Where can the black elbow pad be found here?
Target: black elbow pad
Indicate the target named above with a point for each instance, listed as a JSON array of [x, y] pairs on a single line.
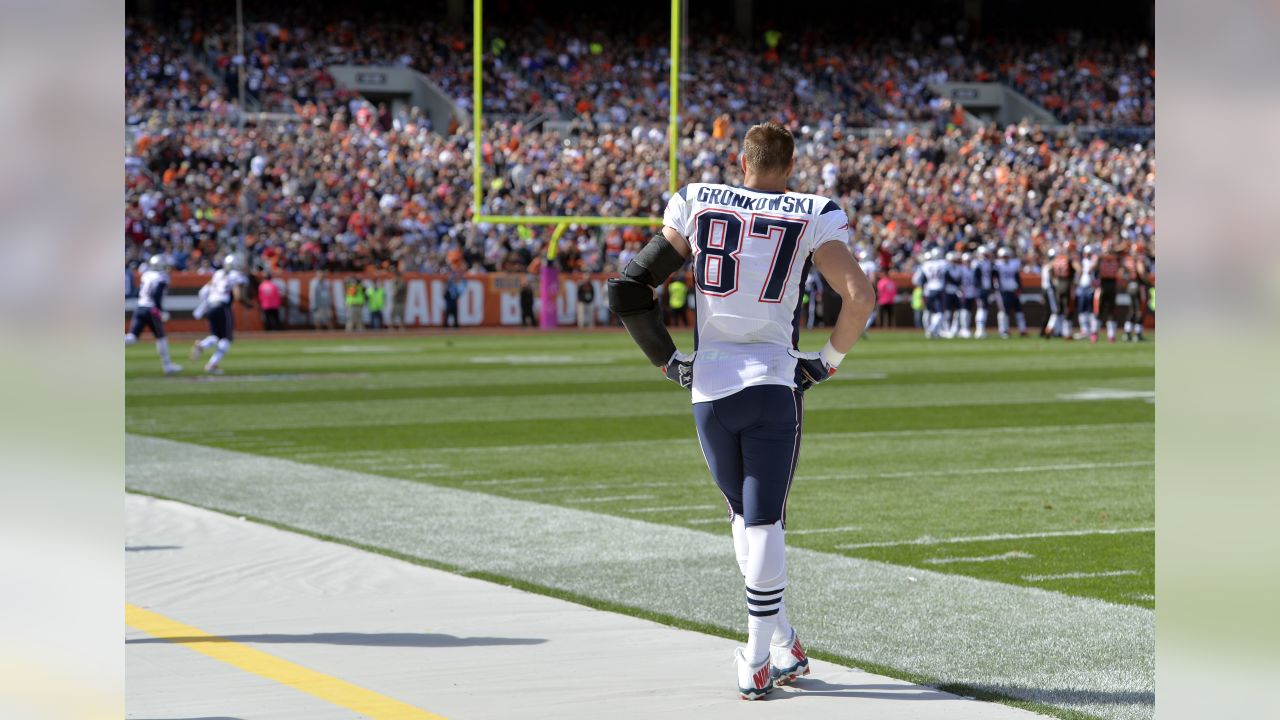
[[654, 263], [633, 303]]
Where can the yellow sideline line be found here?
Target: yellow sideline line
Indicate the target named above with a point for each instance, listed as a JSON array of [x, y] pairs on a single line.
[[326, 687]]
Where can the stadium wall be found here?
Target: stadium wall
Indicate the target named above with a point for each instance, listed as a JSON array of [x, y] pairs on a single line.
[[489, 300]]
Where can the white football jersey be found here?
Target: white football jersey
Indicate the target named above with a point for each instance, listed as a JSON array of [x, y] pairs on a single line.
[[1085, 278], [968, 283], [222, 283], [934, 275], [151, 292], [751, 251], [1007, 274]]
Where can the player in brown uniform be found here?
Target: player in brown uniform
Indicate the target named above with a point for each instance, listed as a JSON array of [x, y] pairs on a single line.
[[1104, 297], [1062, 275], [1136, 270]]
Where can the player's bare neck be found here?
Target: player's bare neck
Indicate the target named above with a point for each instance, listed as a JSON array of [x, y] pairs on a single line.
[[765, 183]]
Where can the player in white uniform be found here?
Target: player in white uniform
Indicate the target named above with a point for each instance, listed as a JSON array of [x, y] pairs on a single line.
[[1008, 271], [984, 276], [751, 247], [1084, 291], [1050, 300], [223, 289], [968, 295], [150, 312], [931, 274]]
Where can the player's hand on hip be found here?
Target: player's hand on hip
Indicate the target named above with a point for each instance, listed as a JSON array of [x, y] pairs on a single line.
[[811, 369], [679, 370]]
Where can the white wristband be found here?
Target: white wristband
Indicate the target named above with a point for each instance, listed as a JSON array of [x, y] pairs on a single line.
[[830, 356]]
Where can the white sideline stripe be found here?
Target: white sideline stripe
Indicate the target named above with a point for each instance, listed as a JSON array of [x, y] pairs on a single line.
[[984, 471], [512, 481], [823, 531], [674, 508], [1011, 555], [1080, 575], [607, 499], [927, 540], [948, 627]]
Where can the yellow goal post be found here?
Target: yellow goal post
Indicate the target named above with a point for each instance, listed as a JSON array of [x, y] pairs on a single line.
[[477, 109]]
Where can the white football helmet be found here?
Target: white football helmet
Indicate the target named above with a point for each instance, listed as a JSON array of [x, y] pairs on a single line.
[[952, 256], [231, 262], [1053, 253], [966, 257], [157, 263], [1004, 252]]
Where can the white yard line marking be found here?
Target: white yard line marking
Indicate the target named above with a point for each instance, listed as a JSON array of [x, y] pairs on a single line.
[[948, 627], [1011, 555], [666, 442], [512, 481], [927, 540], [591, 486], [1109, 394], [607, 499], [674, 508], [1143, 596], [1080, 575], [824, 531], [709, 521], [984, 471]]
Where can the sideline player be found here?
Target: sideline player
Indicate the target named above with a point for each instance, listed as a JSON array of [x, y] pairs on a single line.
[[150, 311], [1062, 273], [968, 293], [751, 248], [1104, 301], [1084, 292], [1136, 271], [984, 276], [931, 276], [1008, 272], [224, 289]]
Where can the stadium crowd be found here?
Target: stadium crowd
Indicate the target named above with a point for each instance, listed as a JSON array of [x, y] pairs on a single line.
[[343, 184]]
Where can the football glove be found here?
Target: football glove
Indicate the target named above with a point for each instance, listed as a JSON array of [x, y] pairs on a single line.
[[811, 369], [679, 370]]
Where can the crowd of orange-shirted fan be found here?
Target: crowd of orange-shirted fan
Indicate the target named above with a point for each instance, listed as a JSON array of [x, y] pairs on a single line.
[[342, 184]]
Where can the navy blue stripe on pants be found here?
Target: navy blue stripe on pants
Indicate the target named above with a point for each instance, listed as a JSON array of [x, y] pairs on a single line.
[[751, 441]]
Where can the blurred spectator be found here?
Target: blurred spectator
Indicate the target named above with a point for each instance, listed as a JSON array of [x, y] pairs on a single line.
[[269, 301], [526, 304], [399, 296], [586, 302], [355, 297], [886, 296], [321, 303], [377, 297]]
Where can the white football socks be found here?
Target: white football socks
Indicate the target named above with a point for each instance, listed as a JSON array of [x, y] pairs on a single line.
[[766, 579], [162, 349]]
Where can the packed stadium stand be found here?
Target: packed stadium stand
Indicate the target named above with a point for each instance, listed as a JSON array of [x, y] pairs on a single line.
[[312, 175]]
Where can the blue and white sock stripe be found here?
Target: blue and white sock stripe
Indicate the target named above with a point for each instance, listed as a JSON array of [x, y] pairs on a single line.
[[763, 603]]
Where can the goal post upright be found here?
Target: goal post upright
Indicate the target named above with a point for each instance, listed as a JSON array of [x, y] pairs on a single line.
[[477, 109]]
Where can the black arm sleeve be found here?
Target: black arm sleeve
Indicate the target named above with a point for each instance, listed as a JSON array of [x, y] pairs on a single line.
[[631, 298]]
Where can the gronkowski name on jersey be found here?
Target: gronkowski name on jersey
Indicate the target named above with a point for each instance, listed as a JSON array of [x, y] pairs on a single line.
[[221, 284], [1007, 273], [151, 294], [751, 253]]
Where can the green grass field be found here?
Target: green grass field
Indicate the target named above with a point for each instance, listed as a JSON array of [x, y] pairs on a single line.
[[1023, 461]]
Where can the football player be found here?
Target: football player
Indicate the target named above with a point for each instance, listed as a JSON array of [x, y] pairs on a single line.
[[223, 290], [931, 275], [984, 276], [968, 293], [1061, 270], [1085, 274], [1008, 272], [1104, 302], [951, 294], [1136, 272], [150, 312], [751, 248]]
